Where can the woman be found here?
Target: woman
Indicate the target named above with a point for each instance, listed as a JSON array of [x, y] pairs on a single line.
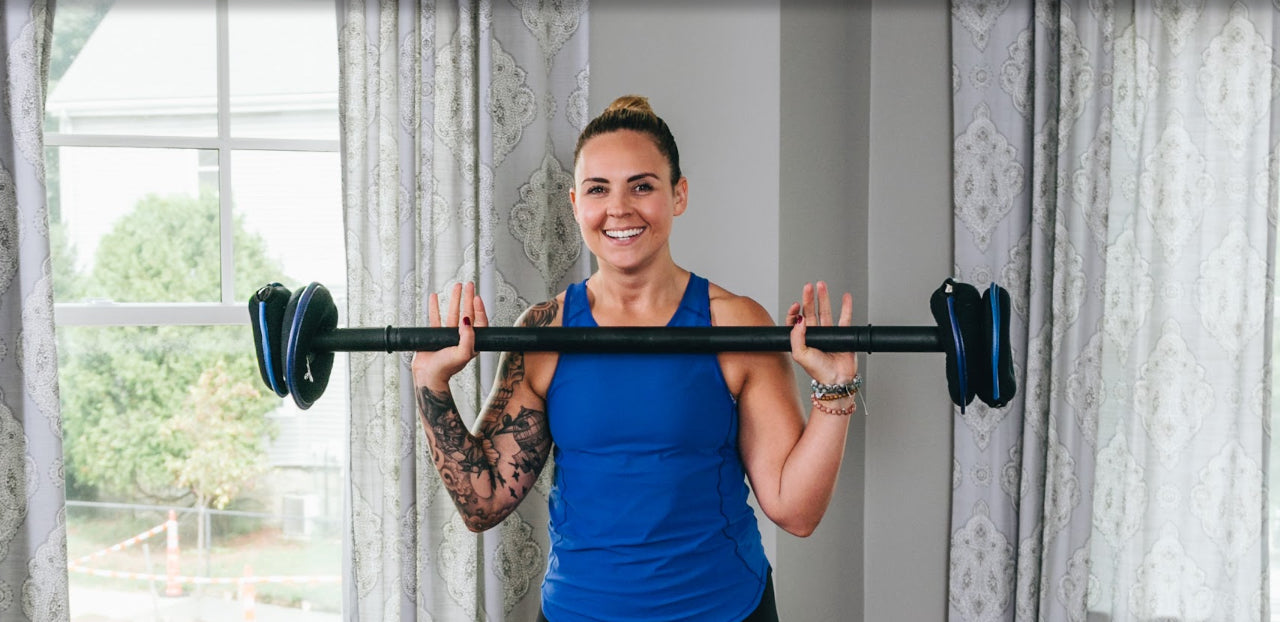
[[649, 514]]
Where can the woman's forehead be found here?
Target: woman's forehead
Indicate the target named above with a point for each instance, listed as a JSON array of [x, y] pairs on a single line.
[[623, 152]]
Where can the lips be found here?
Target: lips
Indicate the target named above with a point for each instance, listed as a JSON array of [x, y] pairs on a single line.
[[624, 234]]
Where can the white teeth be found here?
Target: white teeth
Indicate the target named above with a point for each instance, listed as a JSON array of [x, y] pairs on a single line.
[[624, 233]]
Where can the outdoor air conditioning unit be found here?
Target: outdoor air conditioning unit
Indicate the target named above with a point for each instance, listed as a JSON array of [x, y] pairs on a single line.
[[298, 515]]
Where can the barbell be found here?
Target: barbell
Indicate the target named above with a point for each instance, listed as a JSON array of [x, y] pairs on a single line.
[[295, 336]]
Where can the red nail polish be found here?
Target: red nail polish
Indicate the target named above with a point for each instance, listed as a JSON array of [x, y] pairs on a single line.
[[466, 320]]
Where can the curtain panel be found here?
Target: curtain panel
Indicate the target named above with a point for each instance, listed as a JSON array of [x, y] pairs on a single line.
[[33, 544], [459, 121], [1115, 168]]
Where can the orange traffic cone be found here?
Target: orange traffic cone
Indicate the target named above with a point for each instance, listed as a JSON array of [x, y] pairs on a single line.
[[247, 594]]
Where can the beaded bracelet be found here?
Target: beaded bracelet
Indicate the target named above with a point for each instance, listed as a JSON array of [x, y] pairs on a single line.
[[828, 392], [848, 410]]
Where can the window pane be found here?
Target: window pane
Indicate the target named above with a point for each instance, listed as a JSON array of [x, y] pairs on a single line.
[[284, 69], [176, 418], [134, 225], [143, 68], [290, 206]]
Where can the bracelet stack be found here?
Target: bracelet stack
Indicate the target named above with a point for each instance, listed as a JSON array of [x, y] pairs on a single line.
[[830, 392]]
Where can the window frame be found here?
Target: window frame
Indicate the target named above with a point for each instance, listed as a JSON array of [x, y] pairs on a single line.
[[229, 311]]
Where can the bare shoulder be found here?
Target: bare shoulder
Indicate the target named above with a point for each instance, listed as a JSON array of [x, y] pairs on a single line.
[[547, 313], [730, 309], [539, 367]]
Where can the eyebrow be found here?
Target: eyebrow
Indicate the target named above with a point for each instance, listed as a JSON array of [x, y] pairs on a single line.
[[636, 177]]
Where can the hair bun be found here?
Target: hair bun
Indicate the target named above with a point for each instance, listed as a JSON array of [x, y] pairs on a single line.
[[637, 103]]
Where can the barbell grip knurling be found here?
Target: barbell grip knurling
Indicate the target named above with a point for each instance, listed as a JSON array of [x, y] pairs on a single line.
[[634, 339]]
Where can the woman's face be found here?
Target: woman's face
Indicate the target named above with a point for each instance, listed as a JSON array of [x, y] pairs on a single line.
[[624, 199]]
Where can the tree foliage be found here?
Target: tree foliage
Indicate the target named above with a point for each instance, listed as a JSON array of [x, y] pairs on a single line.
[[219, 437], [145, 407]]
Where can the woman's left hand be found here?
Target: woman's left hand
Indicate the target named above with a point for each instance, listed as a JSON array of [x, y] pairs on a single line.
[[815, 310]]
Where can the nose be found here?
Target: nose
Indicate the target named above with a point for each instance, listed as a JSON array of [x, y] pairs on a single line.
[[617, 206]]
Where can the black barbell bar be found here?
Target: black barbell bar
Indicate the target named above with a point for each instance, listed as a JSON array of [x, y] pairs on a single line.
[[296, 336], [643, 340]]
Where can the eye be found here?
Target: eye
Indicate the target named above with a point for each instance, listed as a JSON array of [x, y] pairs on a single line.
[[644, 186], [595, 190]]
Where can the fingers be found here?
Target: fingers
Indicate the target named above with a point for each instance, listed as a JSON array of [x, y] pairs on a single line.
[[798, 331], [816, 306], [481, 317], [465, 310], [468, 303], [814, 309], [464, 306], [433, 310], [824, 304], [455, 299], [793, 314], [466, 329], [846, 309], [806, 302]]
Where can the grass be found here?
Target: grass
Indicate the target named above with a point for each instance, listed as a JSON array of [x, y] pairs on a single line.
[[263, 549]]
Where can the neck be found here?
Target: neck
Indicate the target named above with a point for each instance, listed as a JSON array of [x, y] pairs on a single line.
[[637, 298]]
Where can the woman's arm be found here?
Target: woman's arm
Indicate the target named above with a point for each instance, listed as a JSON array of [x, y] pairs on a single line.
[[793, 465], [488, 471]]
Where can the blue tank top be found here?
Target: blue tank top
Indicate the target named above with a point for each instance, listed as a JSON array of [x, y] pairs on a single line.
[[649, 514]]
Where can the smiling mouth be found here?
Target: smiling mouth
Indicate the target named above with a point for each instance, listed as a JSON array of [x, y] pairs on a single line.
[[624, 234]]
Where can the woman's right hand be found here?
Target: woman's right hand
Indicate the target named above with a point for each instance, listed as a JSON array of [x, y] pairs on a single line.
[[433, 369]]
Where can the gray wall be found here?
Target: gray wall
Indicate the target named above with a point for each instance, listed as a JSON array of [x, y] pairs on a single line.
[[712, 75], [816, 138], [825, 153], [908, 466]]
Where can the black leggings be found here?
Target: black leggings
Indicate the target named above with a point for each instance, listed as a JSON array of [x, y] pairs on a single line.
[[766, 611]]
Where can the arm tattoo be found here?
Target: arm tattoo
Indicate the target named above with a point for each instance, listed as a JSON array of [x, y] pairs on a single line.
[[511, 368], [509, 449], [542, 314], [453, 454], [529, 431]]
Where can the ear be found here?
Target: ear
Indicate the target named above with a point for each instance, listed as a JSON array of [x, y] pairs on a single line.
[[682, 195], [573, 200]]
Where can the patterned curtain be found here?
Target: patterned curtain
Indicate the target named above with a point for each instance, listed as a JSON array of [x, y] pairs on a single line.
[[33, 537], [459, 124], [1115, 168]]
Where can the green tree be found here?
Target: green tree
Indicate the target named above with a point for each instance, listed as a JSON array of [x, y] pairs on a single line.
[[216, 440], [131, 393], [219, 437]]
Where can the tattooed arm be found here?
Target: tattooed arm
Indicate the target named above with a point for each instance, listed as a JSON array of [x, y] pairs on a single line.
[[488, 471]]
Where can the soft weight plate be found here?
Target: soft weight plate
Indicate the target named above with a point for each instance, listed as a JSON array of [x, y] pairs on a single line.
[[310, 312]]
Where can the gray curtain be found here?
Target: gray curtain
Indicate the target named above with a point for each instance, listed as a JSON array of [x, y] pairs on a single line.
[[1115, 169], [459, 121], [33, 543]]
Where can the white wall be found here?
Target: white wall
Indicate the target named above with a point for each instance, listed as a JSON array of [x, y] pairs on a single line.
[[816, 138]]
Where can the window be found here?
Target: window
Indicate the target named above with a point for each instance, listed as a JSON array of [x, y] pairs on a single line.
[[191, 157]]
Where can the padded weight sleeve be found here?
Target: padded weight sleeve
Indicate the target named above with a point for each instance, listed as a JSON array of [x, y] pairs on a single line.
[[310, 311], [998, 358], [266, 314], [955, 308]]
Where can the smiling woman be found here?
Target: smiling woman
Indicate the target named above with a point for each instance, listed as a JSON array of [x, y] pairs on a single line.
[[653, 452], [626, 202]]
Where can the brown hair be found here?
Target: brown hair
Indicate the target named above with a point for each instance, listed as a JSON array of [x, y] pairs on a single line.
[[633, 112]]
